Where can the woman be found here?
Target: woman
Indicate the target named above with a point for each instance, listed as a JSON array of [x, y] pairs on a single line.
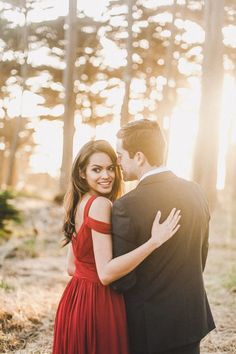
[[91, 316]]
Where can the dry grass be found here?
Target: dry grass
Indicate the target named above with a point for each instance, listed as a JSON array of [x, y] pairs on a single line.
[[220, 279], [33, 278], [16, 331]]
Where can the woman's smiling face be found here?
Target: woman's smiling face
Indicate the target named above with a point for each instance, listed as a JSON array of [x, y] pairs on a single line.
[[100, 173]]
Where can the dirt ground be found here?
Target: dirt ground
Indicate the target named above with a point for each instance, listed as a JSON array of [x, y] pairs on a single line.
[[33, 277]]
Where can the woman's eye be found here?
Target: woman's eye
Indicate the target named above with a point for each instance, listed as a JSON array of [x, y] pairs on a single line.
[[112, 168], [97, 170]]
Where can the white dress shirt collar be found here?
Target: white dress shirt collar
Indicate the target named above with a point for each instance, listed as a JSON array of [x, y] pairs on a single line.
[[154, 171]]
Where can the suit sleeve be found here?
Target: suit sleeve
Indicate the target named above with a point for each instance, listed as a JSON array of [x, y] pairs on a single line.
[[123, 242]]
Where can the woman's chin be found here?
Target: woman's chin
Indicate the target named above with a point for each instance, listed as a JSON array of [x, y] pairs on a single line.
[[105, 191]]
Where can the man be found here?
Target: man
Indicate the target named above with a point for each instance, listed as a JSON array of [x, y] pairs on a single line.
[[167, 308]]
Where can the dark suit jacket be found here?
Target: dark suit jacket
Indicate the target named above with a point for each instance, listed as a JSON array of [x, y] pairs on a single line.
[[165, 298]]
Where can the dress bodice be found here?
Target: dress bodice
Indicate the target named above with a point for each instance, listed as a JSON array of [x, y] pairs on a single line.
[[83, 244]]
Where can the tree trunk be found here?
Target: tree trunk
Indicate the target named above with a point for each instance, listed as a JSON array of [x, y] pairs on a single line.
[[2, 167], [206, 151], [15, 139], [69, 129], [168, 75], [125, 117]]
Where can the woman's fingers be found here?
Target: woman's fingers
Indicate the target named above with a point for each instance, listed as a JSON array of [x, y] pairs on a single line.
[[161, 232], [175, 230], [158, 216], [170, 224], [170, 216], [175, 220]]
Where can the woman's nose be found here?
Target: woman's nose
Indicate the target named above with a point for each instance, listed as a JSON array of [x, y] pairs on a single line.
[[105, 174]]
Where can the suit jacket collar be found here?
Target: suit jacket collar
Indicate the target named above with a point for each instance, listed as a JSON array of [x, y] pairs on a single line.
[[156, 178]]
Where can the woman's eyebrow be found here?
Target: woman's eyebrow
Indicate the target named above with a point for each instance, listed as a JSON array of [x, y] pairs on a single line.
[[95, 165]]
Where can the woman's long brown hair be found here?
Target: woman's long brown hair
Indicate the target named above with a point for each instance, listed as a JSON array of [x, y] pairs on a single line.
[[78, 185]]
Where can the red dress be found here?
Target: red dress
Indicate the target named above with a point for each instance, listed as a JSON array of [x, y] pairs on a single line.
[[91, 317]]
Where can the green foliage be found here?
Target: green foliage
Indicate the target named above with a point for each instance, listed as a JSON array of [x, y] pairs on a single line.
[[7, 210], [28, 248], [4, 285]]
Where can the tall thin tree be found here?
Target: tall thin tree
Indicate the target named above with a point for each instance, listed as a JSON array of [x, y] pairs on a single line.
[[206, 151], [23, 76], [168, 73], [68, 131], [128, 69]]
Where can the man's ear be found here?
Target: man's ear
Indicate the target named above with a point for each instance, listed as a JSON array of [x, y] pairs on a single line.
[[140, 158]]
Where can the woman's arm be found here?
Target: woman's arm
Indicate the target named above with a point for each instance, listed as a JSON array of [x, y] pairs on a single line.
[[110, 269], [70, 260]]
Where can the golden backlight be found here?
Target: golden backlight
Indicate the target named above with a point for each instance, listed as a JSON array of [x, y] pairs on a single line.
[[47, 155], [183, 131]]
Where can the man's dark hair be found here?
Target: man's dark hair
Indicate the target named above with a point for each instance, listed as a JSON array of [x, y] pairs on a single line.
[[144, 135]]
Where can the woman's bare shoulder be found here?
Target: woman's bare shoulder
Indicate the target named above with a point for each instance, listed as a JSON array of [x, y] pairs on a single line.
[[101, 209]]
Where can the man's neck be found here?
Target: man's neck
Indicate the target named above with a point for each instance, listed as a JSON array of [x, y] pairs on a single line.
[[152, 170], [146, 170]]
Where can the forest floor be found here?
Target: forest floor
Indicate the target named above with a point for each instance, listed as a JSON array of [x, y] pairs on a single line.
[[32, 266]]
